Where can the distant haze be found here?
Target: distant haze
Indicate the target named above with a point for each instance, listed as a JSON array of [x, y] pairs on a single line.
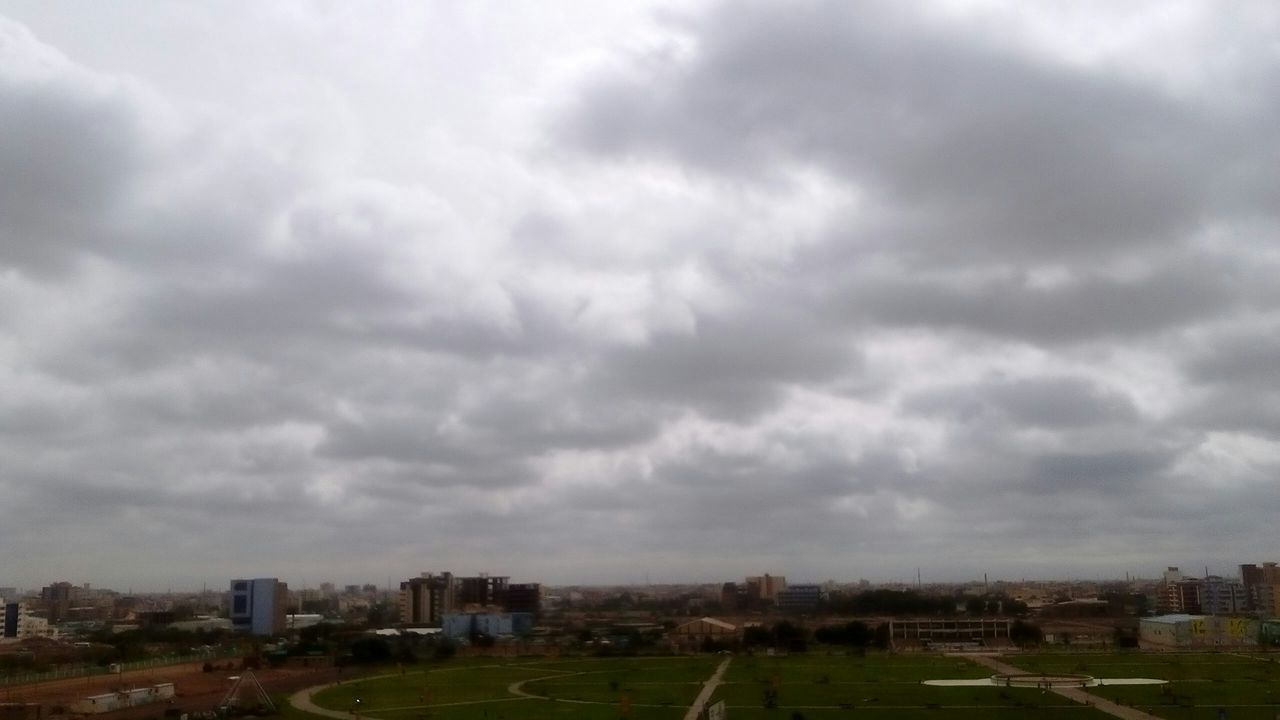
[[585, 292]]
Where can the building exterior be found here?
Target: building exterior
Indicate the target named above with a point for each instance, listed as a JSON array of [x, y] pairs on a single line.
[[950, 633], [20, 624], [696, 633], [766, 587], [109, 702], [426, 599], [482, 590], [1262, 588], [1182, 630], [800, 597], [258, 606], [465, 625], [1220, 596], [523, 598]]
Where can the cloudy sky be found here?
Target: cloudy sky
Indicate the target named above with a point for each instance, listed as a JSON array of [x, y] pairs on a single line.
[[589, 292]]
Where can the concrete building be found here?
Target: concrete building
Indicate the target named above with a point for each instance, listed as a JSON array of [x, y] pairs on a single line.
[[482, 590], [523, 598], [799, 597], [426, 599], [1221, 596], [258, 606], [950, 633], [766, 587], [1182, 630], [1262, 588], [21, 624], [465, 625]]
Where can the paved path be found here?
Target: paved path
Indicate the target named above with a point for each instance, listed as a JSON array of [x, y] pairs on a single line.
[[1076, 694], [708, 688], [302, 701]]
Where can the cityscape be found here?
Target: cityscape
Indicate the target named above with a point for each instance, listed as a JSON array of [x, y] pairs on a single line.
[[639, 360]]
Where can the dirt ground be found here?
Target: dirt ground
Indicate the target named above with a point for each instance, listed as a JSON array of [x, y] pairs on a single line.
[[194, 689]]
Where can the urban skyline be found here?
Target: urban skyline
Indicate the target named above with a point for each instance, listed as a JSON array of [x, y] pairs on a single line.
[[594, 292]]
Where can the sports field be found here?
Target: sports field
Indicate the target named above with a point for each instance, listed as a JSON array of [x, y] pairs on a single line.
[[812, 685]]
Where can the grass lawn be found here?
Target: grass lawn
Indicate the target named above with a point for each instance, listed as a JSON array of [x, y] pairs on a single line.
[[816, 686], [1201, 684]]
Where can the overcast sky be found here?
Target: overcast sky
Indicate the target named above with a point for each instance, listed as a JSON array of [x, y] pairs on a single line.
[[593, 292]]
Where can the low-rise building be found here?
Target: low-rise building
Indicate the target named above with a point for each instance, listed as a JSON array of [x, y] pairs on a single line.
[[1176, 631], [466, 625], [696, 633]]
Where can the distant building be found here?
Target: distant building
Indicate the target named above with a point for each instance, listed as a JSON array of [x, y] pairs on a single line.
[[1182, 630], [950, 633], [523, 598], [482, 590], [1262, 588], [766, 587], [466, 625], [426, 599], [21, 624], [1220, 596], [800, 597], [696, 633], [258, 606]]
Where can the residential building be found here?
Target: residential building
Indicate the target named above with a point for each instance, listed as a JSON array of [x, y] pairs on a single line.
[[766, 587], [258, 606], [1262, 588], [426, 599], [1220, 596]]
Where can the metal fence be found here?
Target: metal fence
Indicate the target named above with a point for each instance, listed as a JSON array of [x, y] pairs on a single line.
[[78, 671]]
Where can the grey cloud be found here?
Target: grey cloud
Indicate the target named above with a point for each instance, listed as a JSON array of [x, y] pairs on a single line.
[[68, 155], [1048, 402], [976, 150]]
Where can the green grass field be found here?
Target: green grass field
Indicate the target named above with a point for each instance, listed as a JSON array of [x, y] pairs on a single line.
[[815, 685], [1246, 686]]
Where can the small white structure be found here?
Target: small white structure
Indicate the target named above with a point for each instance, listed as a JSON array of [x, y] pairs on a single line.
[[107, 702]]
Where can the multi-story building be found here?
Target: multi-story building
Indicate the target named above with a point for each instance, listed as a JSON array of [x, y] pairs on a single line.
[[766, 587], [1220, 596], [1262, 588], [800, 597], [523, 598], [426, 599], [482, 590], [20, 624], [258, 606]]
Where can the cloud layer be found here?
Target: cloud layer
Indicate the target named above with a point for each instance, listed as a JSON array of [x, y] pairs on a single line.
[[828, 290]]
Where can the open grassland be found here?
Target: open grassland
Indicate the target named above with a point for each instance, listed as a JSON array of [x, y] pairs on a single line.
[[1246, 685]]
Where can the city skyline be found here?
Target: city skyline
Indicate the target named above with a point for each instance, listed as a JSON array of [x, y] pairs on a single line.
[[595, 292]]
